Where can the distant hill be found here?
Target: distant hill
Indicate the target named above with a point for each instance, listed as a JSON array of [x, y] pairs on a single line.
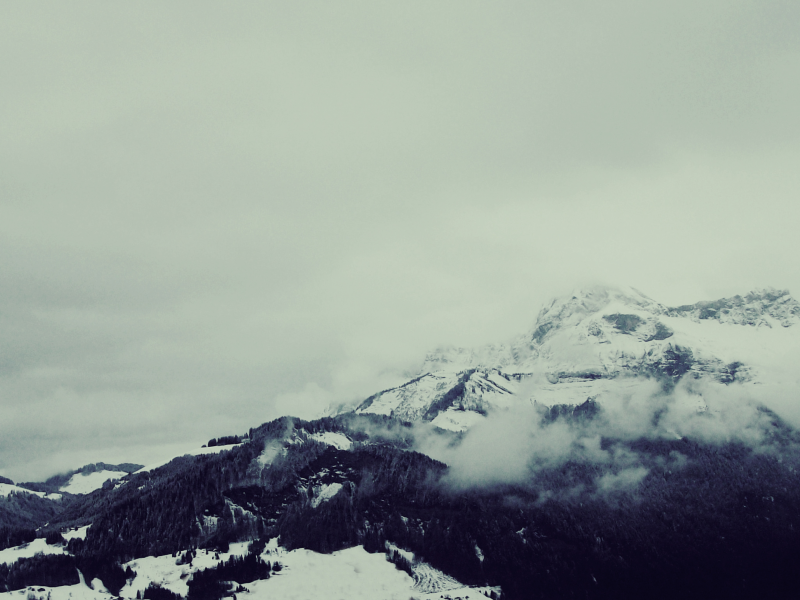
[[84, 480]]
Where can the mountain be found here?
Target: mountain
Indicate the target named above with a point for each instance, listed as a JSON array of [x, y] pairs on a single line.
[[23, 508], [612, 451], [84, 480], [589, 345]]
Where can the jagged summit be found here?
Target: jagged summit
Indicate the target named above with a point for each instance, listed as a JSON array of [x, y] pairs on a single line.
[[559, 313], [84, 480], [758, 308], [592, 299], [586, 344], [628, 311]]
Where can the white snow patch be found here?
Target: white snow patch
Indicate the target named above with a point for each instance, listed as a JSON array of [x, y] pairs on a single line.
[[7, 488], [572, 339], [79, 533], [86, 483], [337, 440], [411, 400], [163, 570], [37, 546], [325, 493], [354, 574]]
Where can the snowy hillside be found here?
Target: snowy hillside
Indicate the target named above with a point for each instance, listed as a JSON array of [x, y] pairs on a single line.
[[7, 488], [37, 546], [302, 575], [590, 343], [534, 503], [86, 483]]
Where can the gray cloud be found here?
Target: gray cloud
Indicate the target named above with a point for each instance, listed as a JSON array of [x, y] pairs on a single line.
[[625, 479], [209, 216], [514, 446]]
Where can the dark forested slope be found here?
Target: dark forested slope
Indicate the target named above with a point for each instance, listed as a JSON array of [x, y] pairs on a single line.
[[677, 517]]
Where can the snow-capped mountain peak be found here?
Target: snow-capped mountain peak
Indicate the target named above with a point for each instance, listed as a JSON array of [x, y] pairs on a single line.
[[560, 313], [765, 307], [587, 344], [596, 299]]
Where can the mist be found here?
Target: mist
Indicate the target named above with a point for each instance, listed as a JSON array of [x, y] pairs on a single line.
[[513, 447]]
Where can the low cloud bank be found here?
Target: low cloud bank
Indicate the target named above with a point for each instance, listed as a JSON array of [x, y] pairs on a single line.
[[519, 445]]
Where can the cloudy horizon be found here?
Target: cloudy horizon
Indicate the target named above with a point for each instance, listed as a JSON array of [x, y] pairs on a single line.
[[213, 215]]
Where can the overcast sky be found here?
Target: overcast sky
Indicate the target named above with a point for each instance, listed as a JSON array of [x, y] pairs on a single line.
[[212, 214]]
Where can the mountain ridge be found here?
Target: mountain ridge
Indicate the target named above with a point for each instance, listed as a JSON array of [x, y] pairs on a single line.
[[577, 345], [624, 460]]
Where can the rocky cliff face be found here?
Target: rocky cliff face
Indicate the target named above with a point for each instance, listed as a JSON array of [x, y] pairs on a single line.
[[760, 308], [586, 345]]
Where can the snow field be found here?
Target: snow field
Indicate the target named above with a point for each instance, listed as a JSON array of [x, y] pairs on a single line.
[[37, 546], [164, 571], [337, 440], [413, 398], [6, 489], [86, 483], [351, 574], [79, 533]]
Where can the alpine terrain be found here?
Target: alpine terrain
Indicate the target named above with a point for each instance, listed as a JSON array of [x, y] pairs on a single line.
[[619, 448]]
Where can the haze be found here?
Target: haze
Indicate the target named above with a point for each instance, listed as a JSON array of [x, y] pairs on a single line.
[[215, 214]]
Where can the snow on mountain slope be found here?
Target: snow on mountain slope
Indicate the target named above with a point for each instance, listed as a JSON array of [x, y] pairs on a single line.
[[164, 571], [413, 399], [7, 488], [758, 308], [337, 440], [86, 483], [456, 399], [353, 573], [592, 343], [77, 533], [37, 546], [79, 591], [350, 573], [607, 329]]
